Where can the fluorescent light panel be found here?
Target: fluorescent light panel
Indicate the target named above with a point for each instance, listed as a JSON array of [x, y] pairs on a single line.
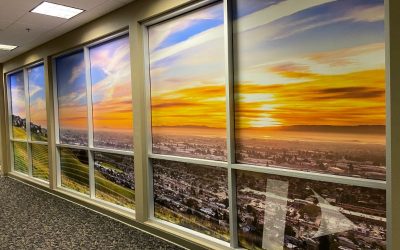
[[57, 10], [7, 47]]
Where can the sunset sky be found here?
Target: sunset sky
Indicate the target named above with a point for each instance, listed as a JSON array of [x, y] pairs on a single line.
[[16, 82], [111, 88], [71, 89], [299, 62], [310, 63], [187, 70], [37, 93]]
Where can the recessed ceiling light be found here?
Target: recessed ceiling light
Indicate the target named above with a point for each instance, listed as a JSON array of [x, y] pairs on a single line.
[[7, 47], [57, 10]]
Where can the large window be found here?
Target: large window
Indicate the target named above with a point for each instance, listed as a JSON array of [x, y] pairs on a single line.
[[279, 112], [310, 86], [188, 85], [95, 121], [28, 120], [187, 89]]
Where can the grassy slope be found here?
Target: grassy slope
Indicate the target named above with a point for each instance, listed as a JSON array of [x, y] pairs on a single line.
[[20, 157], [114, 193], [40, 164], [19, 133], [74, 174]]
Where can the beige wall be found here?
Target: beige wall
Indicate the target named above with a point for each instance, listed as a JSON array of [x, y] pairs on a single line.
[[393, 112]]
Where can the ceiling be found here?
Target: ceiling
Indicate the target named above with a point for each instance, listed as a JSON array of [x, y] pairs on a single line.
[[27, 30]]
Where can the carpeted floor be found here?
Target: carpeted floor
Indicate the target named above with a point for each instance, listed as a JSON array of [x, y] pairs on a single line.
[[32, 219]]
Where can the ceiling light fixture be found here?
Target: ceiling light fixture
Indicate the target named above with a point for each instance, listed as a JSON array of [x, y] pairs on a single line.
[[7, 47], [57, 10]]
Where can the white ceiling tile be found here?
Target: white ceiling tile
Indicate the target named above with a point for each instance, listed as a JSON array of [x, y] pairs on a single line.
[[41, 20], [80, 4], [4, 24]]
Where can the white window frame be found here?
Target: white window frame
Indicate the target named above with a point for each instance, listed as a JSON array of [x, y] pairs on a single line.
[[90, 149], [231, 165], [28, 141]]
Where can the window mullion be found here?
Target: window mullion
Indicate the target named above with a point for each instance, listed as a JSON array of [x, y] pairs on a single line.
[[90, 121]]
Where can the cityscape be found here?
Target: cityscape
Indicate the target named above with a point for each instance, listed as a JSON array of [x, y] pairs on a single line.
[[115, 179], [193, 196], [305, 217], [210, 148], [113, 139], [344, 155]]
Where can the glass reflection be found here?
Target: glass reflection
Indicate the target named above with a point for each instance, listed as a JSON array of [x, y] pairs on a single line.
[[40, 162], [114, 177], [74, 169], [277, 212], [192, 196]]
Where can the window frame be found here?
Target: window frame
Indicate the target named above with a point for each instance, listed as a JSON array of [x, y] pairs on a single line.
[[231, 165], [28, 141], [89, 148]]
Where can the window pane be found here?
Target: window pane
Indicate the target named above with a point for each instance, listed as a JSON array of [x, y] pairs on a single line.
[[17, 91], [74, 169], [188, 86], [192, 196], [20, 157], [115, 178], [72, 103], [37, 95], [40, 162], [303, 214], [112, 96], [310, 86]]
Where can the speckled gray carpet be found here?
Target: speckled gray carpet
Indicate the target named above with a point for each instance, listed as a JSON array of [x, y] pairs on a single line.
[[32, 219]]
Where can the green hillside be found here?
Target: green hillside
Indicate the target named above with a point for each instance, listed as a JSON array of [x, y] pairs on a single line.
[[19, 133], [74, 172], [114, 193], [20, 157], [40, 162]]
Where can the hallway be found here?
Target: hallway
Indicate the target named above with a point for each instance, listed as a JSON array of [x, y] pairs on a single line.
[[32, 219]]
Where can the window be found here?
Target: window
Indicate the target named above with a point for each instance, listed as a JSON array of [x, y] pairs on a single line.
[[299, 88], [310, 86], [191, 195], [28, 106], [276, 211], [95, 121], [188, 121], [187, 85]]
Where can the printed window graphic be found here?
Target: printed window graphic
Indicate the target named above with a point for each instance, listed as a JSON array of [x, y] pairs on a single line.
[[310, 85], [187, 74]]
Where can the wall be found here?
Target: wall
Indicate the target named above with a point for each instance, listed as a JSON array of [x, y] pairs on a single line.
[[393, 107], [130, 17]]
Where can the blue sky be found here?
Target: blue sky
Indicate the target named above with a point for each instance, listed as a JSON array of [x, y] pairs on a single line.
[[71, 82], [17, 93], [37, 94]]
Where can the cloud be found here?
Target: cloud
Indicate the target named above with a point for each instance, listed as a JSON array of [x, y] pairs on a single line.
[[76, 72]]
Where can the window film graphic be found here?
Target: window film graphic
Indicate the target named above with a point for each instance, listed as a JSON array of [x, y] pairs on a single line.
[[40, 162], [72, 101], [18, 112], [74, 169], [37, 103], [192, 196], [20, 157], [186, 57], [310, 85], [112, 95], [114, 177], [276, 212]]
